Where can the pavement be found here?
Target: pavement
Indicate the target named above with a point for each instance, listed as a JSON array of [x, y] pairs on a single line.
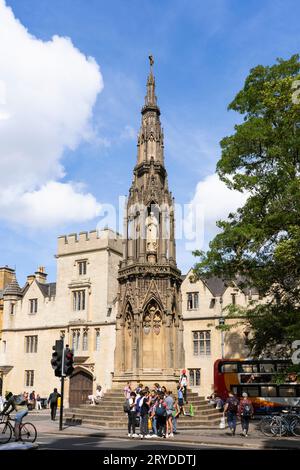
[[193, 437]]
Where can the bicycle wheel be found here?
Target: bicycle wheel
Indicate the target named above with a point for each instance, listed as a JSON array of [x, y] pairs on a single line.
[[5, 433], [265, 426], [279, 427], [28, 432], [295, 426]]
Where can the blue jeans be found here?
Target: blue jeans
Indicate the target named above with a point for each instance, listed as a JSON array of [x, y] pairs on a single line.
[[154, 427], [231, 418], [174, 421], [20, 415]]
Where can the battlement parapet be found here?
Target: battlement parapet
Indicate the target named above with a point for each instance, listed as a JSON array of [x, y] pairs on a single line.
[[89, 241]]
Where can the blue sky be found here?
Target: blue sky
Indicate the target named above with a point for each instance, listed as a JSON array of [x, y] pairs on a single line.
[[203, 51]]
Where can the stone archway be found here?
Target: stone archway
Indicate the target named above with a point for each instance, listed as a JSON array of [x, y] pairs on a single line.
[[81, 386], [153, 350]]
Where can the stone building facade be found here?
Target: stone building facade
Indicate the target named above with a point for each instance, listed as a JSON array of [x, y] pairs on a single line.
[[204, 309], [80, 306]]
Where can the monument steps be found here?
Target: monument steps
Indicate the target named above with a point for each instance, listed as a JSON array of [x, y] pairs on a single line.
[[109, 412]]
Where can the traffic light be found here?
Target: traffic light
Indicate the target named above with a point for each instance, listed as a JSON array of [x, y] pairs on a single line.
[[69, 361], [56, 361]]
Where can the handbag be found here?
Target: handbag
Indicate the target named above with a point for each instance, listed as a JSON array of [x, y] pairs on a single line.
[[222, 424]]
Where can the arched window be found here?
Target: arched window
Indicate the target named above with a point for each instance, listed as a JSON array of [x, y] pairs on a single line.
[[85, 341]]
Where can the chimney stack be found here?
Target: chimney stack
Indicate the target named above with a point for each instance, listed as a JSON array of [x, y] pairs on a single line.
[[40, 275]]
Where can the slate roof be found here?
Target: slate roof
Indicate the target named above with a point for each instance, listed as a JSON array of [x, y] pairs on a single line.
[[48, 290], [13, 288], [218, 286]]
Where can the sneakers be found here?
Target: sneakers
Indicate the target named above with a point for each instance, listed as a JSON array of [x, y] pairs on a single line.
[[171, 435], [129, 435], [134, 435], [147, 436]]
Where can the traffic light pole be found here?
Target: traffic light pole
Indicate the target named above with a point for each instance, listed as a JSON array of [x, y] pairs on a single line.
[[61, 413]]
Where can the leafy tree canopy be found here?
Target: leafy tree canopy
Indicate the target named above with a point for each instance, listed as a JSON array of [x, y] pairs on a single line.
[[259, 244]]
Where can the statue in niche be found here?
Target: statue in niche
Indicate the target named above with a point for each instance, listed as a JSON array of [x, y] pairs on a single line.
[[151, 232]]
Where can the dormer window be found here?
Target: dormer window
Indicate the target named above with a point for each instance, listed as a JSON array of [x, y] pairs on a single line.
[[82, 265], [33, 305]]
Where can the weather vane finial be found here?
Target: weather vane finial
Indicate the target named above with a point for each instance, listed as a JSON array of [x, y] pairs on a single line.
[[151, 60]]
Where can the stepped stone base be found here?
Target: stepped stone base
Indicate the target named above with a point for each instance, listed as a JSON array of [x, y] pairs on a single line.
[[109, 413], [168, 377]]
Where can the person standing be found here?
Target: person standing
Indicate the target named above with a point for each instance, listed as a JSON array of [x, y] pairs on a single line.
[[144, 407], [38, 405], [132, 415], [170, 408], [245, 412], [127, 391], [52, 400], [180, 399], [231, 409], [161, 415], [183, 382]]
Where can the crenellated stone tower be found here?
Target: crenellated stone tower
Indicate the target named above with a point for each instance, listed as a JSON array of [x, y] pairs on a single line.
[[149, 325]]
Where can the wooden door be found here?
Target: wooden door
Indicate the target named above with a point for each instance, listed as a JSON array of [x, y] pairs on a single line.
[[81, 386]]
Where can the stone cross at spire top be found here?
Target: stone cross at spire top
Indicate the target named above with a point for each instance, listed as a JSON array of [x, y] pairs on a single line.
[[150, 99]]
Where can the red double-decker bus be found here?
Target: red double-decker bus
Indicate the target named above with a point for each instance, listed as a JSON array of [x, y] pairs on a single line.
[[259, 379]]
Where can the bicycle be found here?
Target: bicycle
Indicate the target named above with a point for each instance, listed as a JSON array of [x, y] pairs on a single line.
[[286, 423], [27, 431]]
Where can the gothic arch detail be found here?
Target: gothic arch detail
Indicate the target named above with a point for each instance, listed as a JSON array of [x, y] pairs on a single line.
[[152, 318]]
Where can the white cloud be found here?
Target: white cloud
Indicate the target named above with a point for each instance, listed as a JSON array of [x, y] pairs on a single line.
[[128, 133], [48, 90], [212, 201]]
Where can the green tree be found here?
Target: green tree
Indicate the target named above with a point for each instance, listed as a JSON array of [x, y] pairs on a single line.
[[259, 244]]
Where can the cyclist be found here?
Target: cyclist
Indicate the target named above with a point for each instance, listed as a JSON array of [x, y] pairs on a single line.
[[18, 404]]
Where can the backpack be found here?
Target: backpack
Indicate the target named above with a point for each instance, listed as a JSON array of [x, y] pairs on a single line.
[[160, 410], [233, 405], [19, 400], [126, 406], [247, 411]]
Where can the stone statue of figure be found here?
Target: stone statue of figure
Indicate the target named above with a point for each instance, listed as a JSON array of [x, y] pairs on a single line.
[[152, 232]]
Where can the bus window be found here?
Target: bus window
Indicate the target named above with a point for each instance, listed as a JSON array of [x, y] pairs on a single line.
[[268, 391], [285, 391], [230, 367], [281, 367], [252, 391], [249, 368], [267, 367]]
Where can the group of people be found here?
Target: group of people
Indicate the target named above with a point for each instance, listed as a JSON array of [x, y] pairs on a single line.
[[243, 409], [154, 411], [32, 400]]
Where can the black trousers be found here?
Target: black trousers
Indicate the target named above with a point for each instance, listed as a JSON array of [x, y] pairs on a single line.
[[53, 410], [161, 425], [131, 422]]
